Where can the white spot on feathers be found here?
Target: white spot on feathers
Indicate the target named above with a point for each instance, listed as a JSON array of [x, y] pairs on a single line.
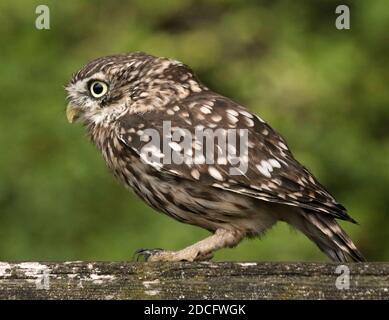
[[195, 174], [274, 163], [264, 168], [194, 86], [232, 118], [249, 122], [216, 118], [205, 109], [282, 145], [232, 112], [215, 173], [246, 114], [145, 138]]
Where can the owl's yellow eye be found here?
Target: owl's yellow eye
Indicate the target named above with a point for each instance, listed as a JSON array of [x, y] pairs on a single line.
[[98, 89]]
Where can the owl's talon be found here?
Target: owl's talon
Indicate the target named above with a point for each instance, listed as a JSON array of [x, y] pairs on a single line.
[[204, 257], [145, 253], [178, 256]]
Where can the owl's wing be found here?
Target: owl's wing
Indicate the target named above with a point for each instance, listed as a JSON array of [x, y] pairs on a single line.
[[267, 171]]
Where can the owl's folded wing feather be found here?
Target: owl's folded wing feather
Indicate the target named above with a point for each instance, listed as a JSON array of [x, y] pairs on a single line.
[[268, 171]]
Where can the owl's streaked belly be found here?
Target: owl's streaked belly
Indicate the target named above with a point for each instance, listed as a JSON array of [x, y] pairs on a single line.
[[185, 200], [192, 203]]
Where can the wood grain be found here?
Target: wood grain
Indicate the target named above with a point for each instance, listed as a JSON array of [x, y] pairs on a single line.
[[183, 280]]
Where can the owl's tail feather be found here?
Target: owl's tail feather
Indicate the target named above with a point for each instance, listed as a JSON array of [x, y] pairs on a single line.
[[326, 233]]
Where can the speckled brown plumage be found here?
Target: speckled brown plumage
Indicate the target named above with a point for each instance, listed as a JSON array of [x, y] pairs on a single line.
[[145, 92]]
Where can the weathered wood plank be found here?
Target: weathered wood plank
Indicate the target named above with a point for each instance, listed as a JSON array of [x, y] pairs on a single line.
[[224, 280]]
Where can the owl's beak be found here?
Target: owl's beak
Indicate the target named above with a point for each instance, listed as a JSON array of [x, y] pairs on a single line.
[[72, 113]]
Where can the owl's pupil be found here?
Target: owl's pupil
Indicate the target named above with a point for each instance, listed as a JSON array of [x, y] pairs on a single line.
[[97, 88]]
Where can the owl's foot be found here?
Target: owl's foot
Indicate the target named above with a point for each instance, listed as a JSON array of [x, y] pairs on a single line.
[[145, 254], [153, 255], [200, 251]]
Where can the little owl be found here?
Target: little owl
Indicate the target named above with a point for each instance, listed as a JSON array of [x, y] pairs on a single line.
[[122, 99]]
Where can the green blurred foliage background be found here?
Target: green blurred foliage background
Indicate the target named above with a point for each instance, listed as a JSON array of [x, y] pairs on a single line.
[[325, 90]]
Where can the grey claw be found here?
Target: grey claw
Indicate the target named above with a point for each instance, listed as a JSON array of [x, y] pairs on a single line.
[[145, 253], [204, 257]]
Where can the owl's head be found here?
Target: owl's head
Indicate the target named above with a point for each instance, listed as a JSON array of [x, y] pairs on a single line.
[[109, 87]]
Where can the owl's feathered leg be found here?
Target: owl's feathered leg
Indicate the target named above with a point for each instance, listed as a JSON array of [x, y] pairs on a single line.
[[200, 251]]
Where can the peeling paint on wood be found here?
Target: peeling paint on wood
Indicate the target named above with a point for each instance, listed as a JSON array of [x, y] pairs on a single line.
[[205, 280]]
